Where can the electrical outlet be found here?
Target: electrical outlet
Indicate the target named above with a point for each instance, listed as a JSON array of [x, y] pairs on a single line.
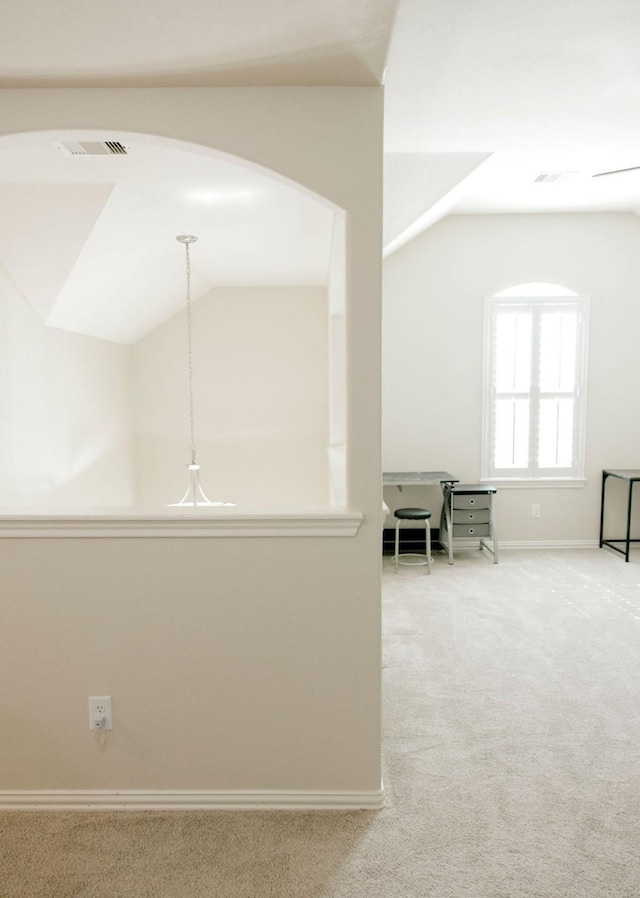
[[535, 511], [100, 712]]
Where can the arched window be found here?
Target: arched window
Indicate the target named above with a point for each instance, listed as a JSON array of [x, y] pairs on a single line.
[[535, 384]]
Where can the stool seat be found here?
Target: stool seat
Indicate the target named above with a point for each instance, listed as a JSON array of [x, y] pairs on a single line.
[[413, 514]]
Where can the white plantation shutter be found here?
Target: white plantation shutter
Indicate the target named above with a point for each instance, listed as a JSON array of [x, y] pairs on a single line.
[[534, 400], [511, 369]]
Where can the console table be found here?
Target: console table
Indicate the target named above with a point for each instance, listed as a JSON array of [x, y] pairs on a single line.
[[629, 476]]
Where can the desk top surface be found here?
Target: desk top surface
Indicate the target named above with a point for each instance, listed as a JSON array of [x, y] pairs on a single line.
[[405, 478], [471, 489], [624, 474]]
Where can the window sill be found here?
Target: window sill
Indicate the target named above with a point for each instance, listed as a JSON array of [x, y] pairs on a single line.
[[227, 523], [575, 483]]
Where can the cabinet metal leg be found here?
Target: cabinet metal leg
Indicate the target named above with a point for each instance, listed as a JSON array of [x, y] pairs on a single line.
[[629, 503]]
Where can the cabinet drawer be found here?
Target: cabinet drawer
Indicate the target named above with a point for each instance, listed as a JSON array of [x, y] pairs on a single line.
[[471, 530], [471, 515], [477, 501]]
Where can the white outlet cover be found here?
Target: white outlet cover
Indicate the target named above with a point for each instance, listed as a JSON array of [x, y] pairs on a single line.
[[100, 717]]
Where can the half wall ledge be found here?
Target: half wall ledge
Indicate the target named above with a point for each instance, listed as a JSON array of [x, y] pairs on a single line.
[[99, 526]]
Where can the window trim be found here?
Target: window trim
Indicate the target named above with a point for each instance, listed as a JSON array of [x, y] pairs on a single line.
[[545, 480]]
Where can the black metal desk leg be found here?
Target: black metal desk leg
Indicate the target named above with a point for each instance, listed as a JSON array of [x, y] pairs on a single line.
[[629, 503], [604, 480]]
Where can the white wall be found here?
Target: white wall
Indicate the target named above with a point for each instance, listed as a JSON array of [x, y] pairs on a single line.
[[89, 439], [66, 437], [22, 431], [232, 663], [337, 363], [261, 396], [434, 290]]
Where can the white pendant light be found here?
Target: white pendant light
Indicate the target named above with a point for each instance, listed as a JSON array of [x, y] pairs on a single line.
[[195, 495]]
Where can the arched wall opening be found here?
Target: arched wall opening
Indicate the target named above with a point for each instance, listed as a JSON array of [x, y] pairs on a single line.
[[94, 372]]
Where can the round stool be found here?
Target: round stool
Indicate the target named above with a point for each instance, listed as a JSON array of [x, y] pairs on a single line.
[[413, 514]]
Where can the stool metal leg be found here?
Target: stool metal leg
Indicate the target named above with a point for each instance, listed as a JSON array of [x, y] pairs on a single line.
[[427, 545], [427, 561], [395, 557]]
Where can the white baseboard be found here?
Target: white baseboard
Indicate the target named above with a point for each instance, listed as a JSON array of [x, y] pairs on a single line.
[[179, 800], [466, 543], [549, 544]]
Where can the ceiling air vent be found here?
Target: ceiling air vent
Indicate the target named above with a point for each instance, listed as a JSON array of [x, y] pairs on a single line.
[[552, 177], [93, 148]]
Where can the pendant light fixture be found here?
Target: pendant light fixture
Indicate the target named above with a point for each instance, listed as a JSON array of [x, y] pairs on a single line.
[[195, 495]]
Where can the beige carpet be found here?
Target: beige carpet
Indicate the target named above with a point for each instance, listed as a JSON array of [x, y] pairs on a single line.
[[512, 756]]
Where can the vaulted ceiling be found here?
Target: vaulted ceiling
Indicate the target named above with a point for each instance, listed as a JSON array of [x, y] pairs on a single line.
[[482, 97], [90, 240], [203, 43], [503, 91]]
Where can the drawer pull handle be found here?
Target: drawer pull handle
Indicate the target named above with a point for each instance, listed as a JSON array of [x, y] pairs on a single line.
[[471, 517], [470, 529], [472, 501]]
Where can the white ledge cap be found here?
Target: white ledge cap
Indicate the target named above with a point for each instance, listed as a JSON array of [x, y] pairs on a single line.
[[197, 523]]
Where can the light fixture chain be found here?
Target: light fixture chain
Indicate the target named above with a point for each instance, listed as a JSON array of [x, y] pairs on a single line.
[[194, 495], [192, 428]]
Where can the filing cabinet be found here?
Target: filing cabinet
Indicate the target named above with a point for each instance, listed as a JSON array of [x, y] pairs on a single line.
[[467, 512]]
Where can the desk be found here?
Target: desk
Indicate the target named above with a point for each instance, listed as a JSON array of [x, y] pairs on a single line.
[[418, 478], [630, 476]]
